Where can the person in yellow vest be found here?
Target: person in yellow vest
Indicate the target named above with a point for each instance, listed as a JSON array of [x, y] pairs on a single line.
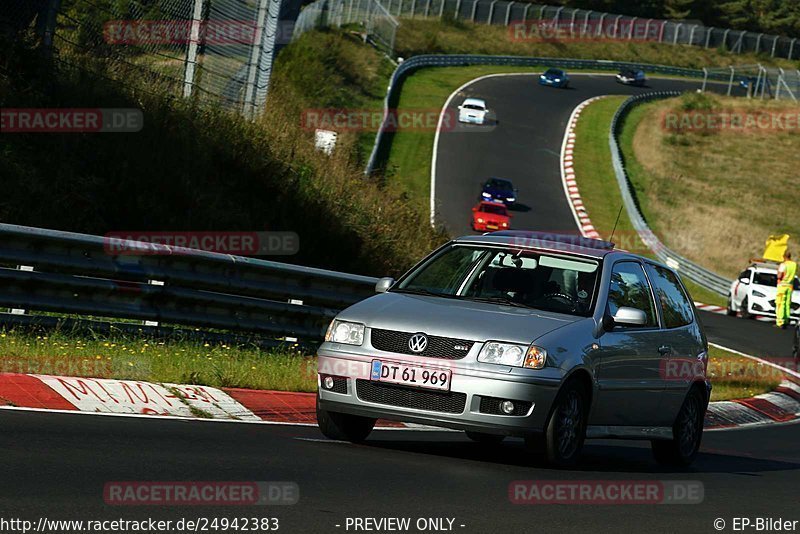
[[783, 300]]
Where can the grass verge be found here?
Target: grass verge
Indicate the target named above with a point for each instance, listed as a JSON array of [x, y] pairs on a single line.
[[600, 192], [737, 377], [715, 194], [136, 358]]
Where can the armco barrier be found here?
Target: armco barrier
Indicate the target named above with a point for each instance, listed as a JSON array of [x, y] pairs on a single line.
[[460, 60], [74, 274], [694, 272]]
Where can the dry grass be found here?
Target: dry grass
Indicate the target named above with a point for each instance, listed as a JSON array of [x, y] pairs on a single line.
[[737, 377], [714, 196]]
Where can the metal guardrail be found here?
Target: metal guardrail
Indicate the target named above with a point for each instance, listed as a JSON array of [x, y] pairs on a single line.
[[75, 274], [694, 272], [458, 60]]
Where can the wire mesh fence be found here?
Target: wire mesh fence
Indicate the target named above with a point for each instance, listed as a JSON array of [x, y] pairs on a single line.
[[369, 15], [214, 50], [557, 22], [758, 81]]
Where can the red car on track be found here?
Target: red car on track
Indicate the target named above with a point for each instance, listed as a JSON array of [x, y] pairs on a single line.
[[490, 216]]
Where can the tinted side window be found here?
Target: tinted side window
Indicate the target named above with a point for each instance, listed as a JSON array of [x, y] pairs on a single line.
[[629, 288], [675, 306]]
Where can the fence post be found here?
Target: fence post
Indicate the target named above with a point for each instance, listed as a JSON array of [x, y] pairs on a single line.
[[441, 9], [558, 14], [427, 8], [705, 79], [691, 34], [572, 23], [585, 28], [730, 82], [474, 9], [528, 6], [774, 44], [630, 30], [677, 28], [791, 47], [708, 36], [508, 12], [255, 56], [458, 9], [661, 31], [49, 29], [191, 52], [616, 26], [758, 42], [491, 12], [413, 8], [600, 27]]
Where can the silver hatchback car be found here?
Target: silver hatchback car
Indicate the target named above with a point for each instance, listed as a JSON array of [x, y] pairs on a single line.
[[551, 338]]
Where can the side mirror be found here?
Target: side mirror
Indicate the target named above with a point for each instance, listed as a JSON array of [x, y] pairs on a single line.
[[384, 284], [625, 316]]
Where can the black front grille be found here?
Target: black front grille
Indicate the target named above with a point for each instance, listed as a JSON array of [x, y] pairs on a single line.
[[393, 395], [491, 405], [339, 384], [446, 348]]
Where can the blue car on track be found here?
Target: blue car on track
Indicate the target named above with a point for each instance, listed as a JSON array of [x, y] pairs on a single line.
[[499, 190], [554, 78]]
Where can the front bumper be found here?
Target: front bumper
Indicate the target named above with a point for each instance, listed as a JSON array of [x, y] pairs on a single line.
[[472, 380]]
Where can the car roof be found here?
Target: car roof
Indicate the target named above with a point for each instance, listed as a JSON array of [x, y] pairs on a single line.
[[764, 266], [499, 180], [476, 101], [554, 69], [575, 244]]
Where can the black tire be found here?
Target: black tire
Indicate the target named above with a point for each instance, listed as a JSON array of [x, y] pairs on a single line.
[[342, 426], [485, 439], [796, 349], [745, 311], [729, 309], [565, 431], [687, 433]]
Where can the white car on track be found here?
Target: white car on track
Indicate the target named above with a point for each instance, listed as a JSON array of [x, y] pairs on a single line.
[[473, 111], [754, 290]]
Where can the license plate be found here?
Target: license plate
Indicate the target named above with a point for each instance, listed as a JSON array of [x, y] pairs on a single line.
[[411, 375], [491, 226]]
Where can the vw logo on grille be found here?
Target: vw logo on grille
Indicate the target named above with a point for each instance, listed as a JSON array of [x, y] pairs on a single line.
[[418, 343]]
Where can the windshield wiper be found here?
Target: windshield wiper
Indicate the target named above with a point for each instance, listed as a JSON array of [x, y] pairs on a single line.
[[420, 291], [499, 300]]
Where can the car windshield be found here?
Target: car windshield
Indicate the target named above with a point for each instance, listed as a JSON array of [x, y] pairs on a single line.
[[473, 106], [766, 279], [501, 184], [540, 280], [498, 210], [553, 72]]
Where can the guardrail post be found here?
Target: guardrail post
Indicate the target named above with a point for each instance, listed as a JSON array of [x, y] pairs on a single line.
[[705, 79], [26, 268], [508, 12], [153, 283]]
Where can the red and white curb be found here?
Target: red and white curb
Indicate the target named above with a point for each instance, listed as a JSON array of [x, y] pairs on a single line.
[[138, 398], [568, 174], [720, 310]]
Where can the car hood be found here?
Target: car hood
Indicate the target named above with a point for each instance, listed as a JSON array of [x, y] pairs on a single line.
[[505, 193], [461, 319], [485, 215]]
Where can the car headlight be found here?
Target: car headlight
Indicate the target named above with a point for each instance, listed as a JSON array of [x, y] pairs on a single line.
[[511, 199], [345, 332], [757, 293], [557, 80], [512, 354], [480, 220], [487, 195]]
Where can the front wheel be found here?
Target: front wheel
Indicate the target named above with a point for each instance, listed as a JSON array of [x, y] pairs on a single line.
[[342, 426], [729, 309], [687, 433], [746, 309], [566, 429]]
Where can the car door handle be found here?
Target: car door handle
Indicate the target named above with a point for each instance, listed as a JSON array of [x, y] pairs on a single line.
[[664, 350]]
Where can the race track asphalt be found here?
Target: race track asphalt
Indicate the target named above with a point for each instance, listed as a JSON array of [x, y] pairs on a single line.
[[522, 143], [56, 466]]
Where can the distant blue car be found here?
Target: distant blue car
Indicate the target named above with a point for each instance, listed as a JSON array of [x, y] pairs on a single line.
[[554, 78], [499, 190]]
